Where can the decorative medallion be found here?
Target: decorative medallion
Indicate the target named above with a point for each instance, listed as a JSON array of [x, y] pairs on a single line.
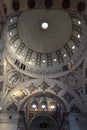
[[75, 109], [12, 107], [19, 95], [68, 97], [32, 88], [74, 80], [44, 86], [13, 78], [56, 88]]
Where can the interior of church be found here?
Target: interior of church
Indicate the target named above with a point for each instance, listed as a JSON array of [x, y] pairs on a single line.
[[43, 65]]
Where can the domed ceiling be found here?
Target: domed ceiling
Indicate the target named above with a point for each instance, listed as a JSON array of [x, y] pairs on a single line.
[[44, 55], [45, 43], [41, 39]]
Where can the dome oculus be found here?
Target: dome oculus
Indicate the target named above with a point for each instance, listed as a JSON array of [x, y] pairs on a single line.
[[44, 25], [43, 42], [34, 29]]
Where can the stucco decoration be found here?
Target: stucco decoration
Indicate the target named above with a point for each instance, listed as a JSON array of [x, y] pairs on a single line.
[[56, 88], [44, 86], [68, 97]]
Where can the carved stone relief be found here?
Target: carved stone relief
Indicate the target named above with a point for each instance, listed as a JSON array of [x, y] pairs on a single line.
[[68, 97], [32, 87], [56, 88], [12, 107], [44, 86]]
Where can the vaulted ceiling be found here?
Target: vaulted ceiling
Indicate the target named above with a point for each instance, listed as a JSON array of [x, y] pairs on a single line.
[[43, 49]]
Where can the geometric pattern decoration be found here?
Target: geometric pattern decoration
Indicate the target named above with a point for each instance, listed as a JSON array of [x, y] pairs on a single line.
[[12, 26], [75, 109], [74, 80], [20, 48], [77, 28], [44, 86], [1, 69], [12, 107], [28, 56], [13, 39], [73, 14], [19, 95], [49, 59], [68, 50], [59, 56], [26, 78], [79, 92], [39, 56], [75, 40], [56, 88], [38, 61], [1, 86], [85, 18], [85, 72], [13, 78], [50, 62], [68, 97], [31, 88]]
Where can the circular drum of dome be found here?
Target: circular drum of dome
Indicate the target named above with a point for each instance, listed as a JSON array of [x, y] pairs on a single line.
[[45, 43]]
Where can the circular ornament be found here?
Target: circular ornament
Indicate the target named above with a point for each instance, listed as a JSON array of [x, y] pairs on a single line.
[[74, 80], [13, 78]]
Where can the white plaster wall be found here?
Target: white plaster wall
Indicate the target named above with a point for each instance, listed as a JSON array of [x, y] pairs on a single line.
[[8, 121], [8, 126], [78, 121]]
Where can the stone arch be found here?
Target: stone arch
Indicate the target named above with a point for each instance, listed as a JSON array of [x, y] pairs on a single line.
[[48, 95], [49, 120]]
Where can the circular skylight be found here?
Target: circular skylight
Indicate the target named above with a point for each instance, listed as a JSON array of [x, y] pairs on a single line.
[[36, 35], [44, 25]]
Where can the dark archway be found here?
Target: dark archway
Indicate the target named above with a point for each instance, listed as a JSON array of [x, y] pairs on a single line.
[[43, 122]]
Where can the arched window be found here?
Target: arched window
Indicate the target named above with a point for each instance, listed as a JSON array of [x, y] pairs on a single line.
[[15, 5], [31, 3], [65, 4]]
